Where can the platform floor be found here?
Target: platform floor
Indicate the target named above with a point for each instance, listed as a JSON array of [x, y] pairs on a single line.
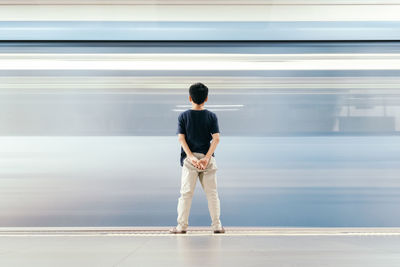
[[124, 246]]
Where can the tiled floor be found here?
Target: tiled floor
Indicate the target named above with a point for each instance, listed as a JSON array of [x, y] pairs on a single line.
[[245, 247]]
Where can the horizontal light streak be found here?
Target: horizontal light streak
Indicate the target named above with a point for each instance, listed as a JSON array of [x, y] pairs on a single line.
[[219, 85], [211, 106], [198, 62], [79, 92], [133, 87], [130, 56], [204, 11], [211, 109]]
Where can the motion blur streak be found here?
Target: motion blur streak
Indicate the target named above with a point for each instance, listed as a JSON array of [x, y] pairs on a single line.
[[309, 132], [200, 62], [200, 10]]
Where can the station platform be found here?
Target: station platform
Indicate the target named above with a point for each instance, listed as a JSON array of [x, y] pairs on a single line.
[[239, 246]]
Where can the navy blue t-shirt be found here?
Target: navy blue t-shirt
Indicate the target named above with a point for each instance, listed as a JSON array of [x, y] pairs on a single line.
[[198, 127]]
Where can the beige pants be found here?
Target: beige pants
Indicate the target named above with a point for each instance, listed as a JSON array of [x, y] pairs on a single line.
[[208, 180]]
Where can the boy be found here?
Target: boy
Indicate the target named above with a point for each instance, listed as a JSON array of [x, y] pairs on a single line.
[[196, 128]]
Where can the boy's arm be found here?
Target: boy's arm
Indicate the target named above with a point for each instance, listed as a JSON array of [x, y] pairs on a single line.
[[189, 154], [204, 161]]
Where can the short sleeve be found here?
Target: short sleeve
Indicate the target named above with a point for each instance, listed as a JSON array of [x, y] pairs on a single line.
[[214, 124], [181, 125]]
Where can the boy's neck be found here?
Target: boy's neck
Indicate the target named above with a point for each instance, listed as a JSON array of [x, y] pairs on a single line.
[[197, 107]]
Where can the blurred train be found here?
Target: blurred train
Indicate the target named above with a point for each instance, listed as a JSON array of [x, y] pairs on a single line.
[[309, 114]]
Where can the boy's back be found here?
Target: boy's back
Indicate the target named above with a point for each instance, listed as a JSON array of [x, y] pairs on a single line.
[[198, 127]]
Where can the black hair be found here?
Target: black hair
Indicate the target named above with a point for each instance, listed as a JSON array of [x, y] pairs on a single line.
[[198, 92]]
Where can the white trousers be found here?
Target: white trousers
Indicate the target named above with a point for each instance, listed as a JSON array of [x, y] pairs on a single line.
[[208, 180]]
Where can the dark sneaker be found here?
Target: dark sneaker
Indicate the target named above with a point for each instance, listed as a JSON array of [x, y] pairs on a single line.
[[176, 231], [219, 231]]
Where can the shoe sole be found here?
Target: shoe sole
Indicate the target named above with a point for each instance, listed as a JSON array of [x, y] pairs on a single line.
[[182, 232]]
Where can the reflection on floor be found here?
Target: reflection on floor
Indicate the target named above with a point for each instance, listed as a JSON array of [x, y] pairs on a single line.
[[153, 246]]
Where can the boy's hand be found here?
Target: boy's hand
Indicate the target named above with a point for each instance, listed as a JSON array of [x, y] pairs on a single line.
[[194, 161], [204, 162]]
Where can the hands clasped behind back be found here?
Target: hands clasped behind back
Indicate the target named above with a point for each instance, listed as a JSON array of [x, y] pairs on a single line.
[[201, 162]]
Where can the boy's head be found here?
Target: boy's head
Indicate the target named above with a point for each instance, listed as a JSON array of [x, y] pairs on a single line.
[[198, 93]]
